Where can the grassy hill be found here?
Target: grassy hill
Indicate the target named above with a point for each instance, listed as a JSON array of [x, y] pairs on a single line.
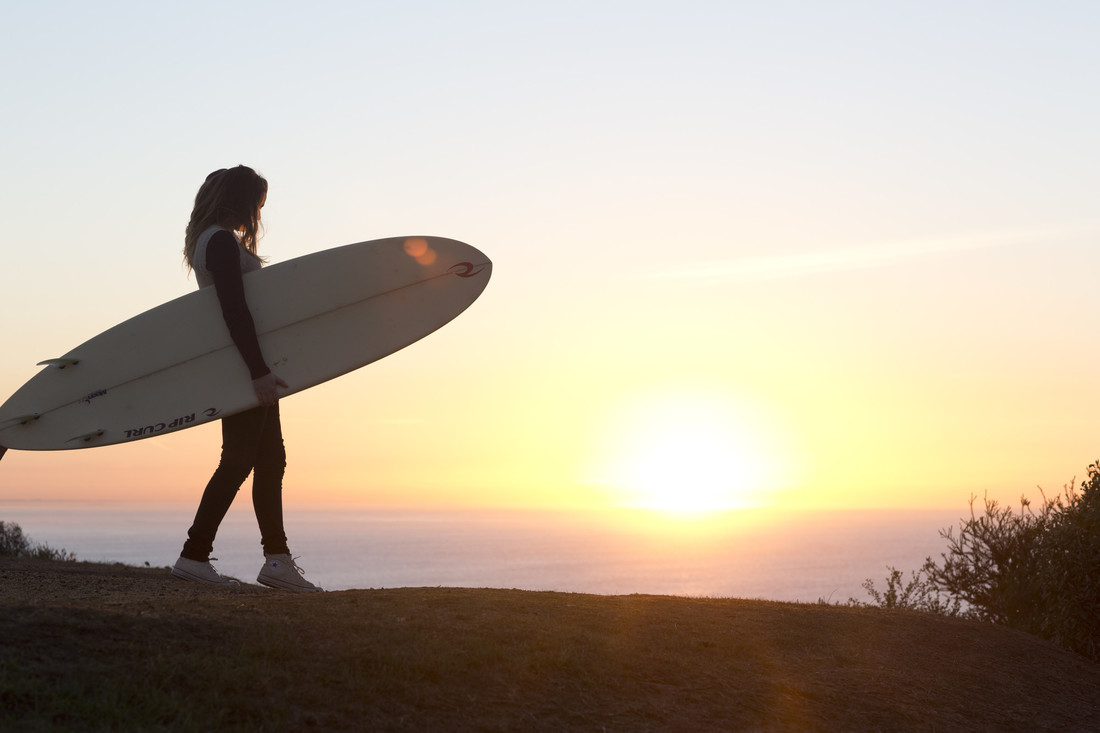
[[90, 647]]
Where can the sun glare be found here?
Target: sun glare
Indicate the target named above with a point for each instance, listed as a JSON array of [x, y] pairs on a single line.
[[685, 455]]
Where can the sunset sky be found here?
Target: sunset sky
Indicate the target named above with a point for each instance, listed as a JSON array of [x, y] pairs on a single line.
[[783, 254]]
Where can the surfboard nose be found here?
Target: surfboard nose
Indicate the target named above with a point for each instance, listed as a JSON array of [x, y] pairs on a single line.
[[472, 261]]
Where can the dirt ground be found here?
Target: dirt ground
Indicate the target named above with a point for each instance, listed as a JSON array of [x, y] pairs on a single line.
[[90, 647]]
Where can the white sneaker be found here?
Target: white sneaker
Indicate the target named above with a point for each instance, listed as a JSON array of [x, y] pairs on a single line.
[[201, 572], [280, 571]]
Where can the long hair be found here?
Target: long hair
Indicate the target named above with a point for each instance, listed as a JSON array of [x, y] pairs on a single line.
[[229, 198]]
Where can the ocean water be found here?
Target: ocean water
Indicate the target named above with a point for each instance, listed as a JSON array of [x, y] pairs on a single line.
[[803, 557]]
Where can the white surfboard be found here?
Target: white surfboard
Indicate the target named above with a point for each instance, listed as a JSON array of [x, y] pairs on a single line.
[[175, 366]]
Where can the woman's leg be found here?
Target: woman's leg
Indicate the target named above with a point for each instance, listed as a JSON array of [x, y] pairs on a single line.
[[267, 485], [241, 435]]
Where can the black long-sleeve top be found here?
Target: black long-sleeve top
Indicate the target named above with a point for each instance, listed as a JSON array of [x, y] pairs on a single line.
[[223, 261]]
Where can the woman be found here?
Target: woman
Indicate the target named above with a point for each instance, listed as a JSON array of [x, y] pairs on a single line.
[[220, 247]]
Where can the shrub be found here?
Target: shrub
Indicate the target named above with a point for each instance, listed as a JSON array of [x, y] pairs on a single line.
[[918, 593], [992, 563], [1036, 570], [1069, 571], [13, 543]]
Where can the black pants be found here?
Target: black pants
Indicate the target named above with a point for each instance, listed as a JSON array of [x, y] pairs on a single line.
[[252, 442]]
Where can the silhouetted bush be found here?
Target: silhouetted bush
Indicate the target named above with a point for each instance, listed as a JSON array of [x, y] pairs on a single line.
[[1036, 570], [1069, 571], [918, 593], [13, 543]]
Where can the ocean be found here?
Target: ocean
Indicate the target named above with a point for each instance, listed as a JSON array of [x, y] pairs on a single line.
[[783, 557]]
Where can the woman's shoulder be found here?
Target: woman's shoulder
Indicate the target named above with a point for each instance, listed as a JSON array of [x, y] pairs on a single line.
[[214, 241], [219, 237], [214, 231]]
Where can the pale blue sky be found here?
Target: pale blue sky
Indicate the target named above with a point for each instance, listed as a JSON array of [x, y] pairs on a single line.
[[586, 146]]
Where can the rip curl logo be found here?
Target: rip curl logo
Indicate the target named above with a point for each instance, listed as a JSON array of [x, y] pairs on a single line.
[[87, 400], [179, 422], [466, 269], [160, 427]]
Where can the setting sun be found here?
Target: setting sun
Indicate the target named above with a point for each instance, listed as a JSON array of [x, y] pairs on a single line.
[[686, 455]]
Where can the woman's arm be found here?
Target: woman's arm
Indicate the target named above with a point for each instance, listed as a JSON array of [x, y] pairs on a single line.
[[224, 263]]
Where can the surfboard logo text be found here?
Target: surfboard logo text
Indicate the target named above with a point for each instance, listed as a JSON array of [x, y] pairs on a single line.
[[179, 422], [98, 393]]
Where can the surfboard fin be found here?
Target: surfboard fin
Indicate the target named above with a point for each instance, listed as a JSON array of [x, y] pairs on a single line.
[[87, 437], [21, 420], [59, 363]]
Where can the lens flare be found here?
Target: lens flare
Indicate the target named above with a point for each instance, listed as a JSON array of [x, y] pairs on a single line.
[[419, 249]]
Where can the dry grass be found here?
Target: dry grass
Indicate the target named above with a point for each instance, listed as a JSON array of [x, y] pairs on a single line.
[[95, 647]]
